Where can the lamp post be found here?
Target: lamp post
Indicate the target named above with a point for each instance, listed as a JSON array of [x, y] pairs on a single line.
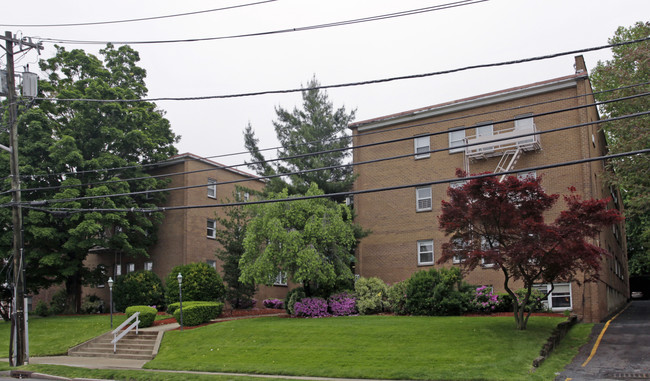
[[180, 295], [110, 292]]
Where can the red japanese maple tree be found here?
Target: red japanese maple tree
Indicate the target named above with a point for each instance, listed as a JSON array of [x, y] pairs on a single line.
[[501, 223]]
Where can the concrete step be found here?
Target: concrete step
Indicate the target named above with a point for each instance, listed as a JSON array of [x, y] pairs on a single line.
[[131, 346]]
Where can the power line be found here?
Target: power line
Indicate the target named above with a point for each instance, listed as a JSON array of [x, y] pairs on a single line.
[[351, 84], [350, 193], [339, 150], [137, 19], [323, 140], [559, 129], [280, 31]]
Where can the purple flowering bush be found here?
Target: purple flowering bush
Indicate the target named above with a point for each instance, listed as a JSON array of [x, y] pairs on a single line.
[[311, 307], [273, 303], [342, 304], [484, 300]]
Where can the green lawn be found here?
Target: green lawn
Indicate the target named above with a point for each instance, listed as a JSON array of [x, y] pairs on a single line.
[[392, 347], [53, 335], [398, 347]]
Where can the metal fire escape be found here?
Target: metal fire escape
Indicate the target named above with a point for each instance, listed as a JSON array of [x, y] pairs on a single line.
[[508, 144]]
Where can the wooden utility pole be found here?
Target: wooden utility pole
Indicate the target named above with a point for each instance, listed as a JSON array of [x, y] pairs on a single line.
[[19, 342]]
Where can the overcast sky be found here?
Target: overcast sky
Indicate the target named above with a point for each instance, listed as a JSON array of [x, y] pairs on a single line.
[[485, 32]]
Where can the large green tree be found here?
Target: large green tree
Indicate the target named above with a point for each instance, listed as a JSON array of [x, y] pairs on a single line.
[[630, 65], [316, 127], [309, 240], [65, 150]]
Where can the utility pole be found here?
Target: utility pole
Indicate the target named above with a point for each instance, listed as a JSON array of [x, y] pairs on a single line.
[[18, 316]]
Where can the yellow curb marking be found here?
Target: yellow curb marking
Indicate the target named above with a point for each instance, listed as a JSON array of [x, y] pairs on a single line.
[[602, 333]]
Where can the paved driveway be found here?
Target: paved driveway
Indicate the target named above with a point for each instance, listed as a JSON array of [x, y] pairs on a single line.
[[623, 352]]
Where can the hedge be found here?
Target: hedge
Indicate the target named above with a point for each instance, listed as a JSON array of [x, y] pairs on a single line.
[[147, 315], [195, 313]]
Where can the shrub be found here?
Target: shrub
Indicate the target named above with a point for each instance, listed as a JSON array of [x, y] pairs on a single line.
[[292, 297], [147, 315], [437, 293], [195, 313], [273, 303], [311, 307], [92, 304], [397, 297], [172, 308], [342, 304], [59, 302], [243, 303], [370, 294], [484, 300], [41, 309], [139, 288], [200, 282], [504, 303]]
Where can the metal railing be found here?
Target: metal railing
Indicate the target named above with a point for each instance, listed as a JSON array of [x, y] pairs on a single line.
[[117, 337]]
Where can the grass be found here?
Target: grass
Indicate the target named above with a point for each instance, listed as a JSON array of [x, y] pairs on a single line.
[[53, 335], [395, 347], [398, 347]]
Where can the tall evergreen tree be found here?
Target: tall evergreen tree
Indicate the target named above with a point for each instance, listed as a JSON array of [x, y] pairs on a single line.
[[65, 148], [316, 127]]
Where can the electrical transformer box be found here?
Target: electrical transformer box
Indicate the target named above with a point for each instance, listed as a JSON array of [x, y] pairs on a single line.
[[30, 84]]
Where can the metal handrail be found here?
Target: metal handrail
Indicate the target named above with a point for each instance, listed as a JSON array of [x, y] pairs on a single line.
[[117, 337]]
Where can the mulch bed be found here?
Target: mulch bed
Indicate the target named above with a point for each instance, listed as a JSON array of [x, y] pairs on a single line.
[[511, 314], [225, 315]]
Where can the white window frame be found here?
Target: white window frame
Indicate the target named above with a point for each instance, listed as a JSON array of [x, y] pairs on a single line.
[[211, 228], [457, 259], [456, 138], [130, 267], [423, 203], [421, 252], [457, 184], [212, 188], [485, 130], [557, 294], [280, 279], [118, 269], [422, 143], [484, 247], [526, 122], [148, 265], [212, 263], [523, 175]]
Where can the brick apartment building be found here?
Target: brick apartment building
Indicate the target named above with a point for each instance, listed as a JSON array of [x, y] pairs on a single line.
[[186, 235], [405, 237]]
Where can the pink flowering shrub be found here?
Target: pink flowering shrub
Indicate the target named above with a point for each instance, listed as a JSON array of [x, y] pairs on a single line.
[[342, 304], [273, 303], [311, 307], [484, 300]]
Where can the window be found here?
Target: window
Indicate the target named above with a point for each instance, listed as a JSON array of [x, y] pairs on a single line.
[[425, 252], [526, 175], [148, 266], [485, 131], [459, 242], [118, 270], [524, 124], [457, 184], [212, 263], [422, 147], [245, 196], [423, 198], [280, 279], [614, 194], [212, 229], [485, 246], [212, 188], [559, 299], [130, 267], [456, 139]]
